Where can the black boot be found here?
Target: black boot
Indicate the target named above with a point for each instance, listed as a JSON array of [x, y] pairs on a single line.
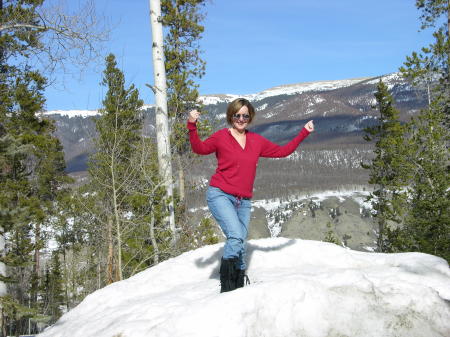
[[241, 279], [228, 274]]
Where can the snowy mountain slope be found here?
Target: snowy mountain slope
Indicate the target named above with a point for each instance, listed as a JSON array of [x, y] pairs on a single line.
[[288, 89], [83, 113], [72, 113], [299, 288], [341, 108]]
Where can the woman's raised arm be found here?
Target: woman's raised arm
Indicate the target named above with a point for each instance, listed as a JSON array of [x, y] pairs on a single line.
[[272, 150], [198, 146]]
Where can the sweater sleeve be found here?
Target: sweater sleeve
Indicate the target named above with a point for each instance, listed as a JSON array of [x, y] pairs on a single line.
[[271, 150], [198, 146]]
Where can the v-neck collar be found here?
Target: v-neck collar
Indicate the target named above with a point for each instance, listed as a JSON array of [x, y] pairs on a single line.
[[245, 145]]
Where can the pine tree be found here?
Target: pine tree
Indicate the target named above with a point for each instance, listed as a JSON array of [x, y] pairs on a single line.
[[110, 167], [183, 66], [31, 159], [431, 64], [125, 197], [330, 236], [389, 169], [427, 224], [53, 289], [32, 176], [31, 163]]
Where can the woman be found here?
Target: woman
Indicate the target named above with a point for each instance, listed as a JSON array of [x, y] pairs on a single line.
[[230, 190]]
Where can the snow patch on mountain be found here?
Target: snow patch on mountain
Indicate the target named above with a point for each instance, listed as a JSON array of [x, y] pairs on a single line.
[[262, 107], [390, 80], [298, 288], [289, 89], [72, 113], [84, 113]]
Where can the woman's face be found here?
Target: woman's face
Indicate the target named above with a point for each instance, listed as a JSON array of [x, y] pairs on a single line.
[[241, 118]]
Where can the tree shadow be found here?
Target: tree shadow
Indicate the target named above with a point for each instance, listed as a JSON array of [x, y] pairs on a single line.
[[251, 248]]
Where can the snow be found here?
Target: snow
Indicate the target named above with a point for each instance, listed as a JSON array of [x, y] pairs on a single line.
[[388, 79], [84, 113], [289, 89], [299, 288], [221, 116], [284, 208], [273, 204], [72, 113], [269, 114], [262, 107]]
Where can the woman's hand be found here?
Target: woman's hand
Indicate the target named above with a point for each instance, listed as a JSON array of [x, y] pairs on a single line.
[[309, 126], [193, 116]]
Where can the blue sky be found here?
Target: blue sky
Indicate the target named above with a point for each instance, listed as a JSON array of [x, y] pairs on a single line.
[[252, 45]]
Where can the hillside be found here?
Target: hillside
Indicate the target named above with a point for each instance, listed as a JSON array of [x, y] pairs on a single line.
[[341, 109], [328, 160]]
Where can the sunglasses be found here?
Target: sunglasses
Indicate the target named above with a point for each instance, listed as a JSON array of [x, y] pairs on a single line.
[[237, 117]]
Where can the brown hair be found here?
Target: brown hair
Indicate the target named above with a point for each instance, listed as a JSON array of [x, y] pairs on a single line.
[[236, 105]]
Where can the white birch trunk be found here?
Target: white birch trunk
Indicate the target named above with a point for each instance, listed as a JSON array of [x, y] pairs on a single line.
[[162, 123]]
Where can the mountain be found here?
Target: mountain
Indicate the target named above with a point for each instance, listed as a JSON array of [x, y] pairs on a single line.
[[328, 160], [341, 109], [298, 288]]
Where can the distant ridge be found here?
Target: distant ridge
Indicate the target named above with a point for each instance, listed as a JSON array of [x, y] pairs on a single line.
[[283, 89]]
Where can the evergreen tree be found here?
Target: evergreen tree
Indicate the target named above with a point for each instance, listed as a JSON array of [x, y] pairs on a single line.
[[31, 158], [389, 169], [183, 66], [432, 63], [110, 167], [427, 224], [330, 236], [31, 162], [32, 176], [53, 289], [125, 196]]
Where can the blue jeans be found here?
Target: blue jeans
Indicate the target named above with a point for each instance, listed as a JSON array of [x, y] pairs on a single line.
[[233, 216]]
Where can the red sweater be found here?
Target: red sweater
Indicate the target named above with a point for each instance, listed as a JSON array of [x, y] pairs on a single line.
[[236, 169]]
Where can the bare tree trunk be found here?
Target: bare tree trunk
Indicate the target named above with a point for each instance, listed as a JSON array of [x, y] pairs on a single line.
[[36, 267], [110, 258], [162, 123], [181, 183], [66, 279], [99, 271], [3, 322], [153, 239], [37, 250], [119, 251], [117, 220]]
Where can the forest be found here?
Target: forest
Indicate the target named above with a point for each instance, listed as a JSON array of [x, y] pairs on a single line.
[[61, 240]]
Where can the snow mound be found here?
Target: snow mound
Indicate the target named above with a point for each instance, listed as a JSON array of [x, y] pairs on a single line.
[[299, 288]]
